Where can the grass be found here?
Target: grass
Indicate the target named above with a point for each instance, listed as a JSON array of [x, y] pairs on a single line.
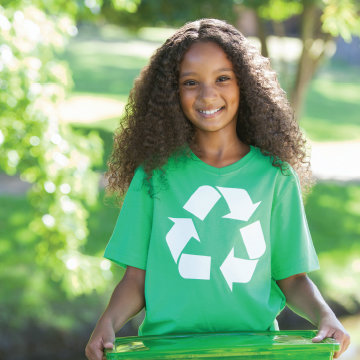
[[97, 68], [107, 60], [339, 206], [332, 104]]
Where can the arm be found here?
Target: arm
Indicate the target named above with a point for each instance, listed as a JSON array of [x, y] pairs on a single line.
[[126, 301], [304, 298]]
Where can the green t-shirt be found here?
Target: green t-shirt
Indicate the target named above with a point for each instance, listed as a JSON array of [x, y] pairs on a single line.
[[213, 242]]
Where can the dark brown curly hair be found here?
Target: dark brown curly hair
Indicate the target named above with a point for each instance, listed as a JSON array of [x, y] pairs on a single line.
[[155, 127]]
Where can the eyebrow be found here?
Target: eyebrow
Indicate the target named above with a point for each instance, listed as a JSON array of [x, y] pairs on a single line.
[[194, 73]]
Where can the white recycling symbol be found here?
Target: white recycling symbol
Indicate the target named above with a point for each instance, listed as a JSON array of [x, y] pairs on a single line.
[[200, 203]]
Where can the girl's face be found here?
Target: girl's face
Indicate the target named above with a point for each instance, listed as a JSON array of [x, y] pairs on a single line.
[[209, 93]]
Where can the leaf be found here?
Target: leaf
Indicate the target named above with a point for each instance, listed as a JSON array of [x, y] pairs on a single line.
[[341, 18]]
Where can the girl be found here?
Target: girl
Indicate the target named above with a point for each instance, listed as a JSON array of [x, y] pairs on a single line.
[[212, 231]]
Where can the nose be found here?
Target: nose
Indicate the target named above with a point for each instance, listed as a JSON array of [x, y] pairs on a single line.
[[207, 92]]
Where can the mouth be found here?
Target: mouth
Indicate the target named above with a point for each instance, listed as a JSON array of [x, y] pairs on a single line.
[[210, 112]]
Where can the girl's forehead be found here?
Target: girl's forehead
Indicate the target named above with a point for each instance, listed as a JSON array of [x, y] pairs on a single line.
[[205, 54]]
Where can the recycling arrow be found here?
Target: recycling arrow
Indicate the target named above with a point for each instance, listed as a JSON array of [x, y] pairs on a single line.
[[239, 202], [253, 239], [190, 266], [195, 266], [237, 270], [202, 201], [179, 235], [241, 270]]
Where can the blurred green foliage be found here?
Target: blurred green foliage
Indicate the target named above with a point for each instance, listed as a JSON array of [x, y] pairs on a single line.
[[55, 159], [28, 292], [339, 17], [167, 13], [50, 7], [277, 10]]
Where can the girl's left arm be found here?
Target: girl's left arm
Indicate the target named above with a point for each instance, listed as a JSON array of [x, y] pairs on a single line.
[[304, 298]]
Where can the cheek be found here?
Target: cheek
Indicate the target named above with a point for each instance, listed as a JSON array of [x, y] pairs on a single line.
[[235, 96], [185, 101]]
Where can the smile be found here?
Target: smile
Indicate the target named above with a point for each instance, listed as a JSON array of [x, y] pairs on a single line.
[[211, 112]]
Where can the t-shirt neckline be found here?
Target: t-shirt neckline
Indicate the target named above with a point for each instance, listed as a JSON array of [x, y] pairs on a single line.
[[228, 168]]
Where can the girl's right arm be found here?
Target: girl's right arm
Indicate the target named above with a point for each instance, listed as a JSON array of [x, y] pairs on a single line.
[[126, 301]]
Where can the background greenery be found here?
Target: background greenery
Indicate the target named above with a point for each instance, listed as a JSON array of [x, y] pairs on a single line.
[[54, 282]]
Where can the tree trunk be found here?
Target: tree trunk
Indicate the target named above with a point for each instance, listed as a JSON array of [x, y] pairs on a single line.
[[280, 33], [245, 19], [314, 48], [262, 35]]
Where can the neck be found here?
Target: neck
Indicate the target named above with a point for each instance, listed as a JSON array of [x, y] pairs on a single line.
[[215, 147]]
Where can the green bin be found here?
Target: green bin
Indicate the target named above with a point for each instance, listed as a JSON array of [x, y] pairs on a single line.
[[274, 345]]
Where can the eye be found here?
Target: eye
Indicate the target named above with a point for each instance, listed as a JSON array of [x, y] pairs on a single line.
[[223, 78], [189, 83]]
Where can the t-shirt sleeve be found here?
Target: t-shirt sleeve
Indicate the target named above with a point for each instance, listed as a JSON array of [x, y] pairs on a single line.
[[129, 242], [292, 249]]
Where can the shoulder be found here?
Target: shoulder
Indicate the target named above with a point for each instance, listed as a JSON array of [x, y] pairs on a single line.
[[139, 171], [139, 174], [284, 173], [270, 163], [288, 184], [139, 179]]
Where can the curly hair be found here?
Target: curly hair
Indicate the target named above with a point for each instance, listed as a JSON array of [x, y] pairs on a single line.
[[154, 126]]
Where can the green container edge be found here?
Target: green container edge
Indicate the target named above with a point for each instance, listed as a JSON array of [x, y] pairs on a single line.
[[137, 349]]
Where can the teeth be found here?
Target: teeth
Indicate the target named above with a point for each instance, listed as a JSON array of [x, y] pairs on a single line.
[[209, 112]]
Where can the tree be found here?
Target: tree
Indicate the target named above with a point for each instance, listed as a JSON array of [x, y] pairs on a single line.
[[321, 22], [57, 161]]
